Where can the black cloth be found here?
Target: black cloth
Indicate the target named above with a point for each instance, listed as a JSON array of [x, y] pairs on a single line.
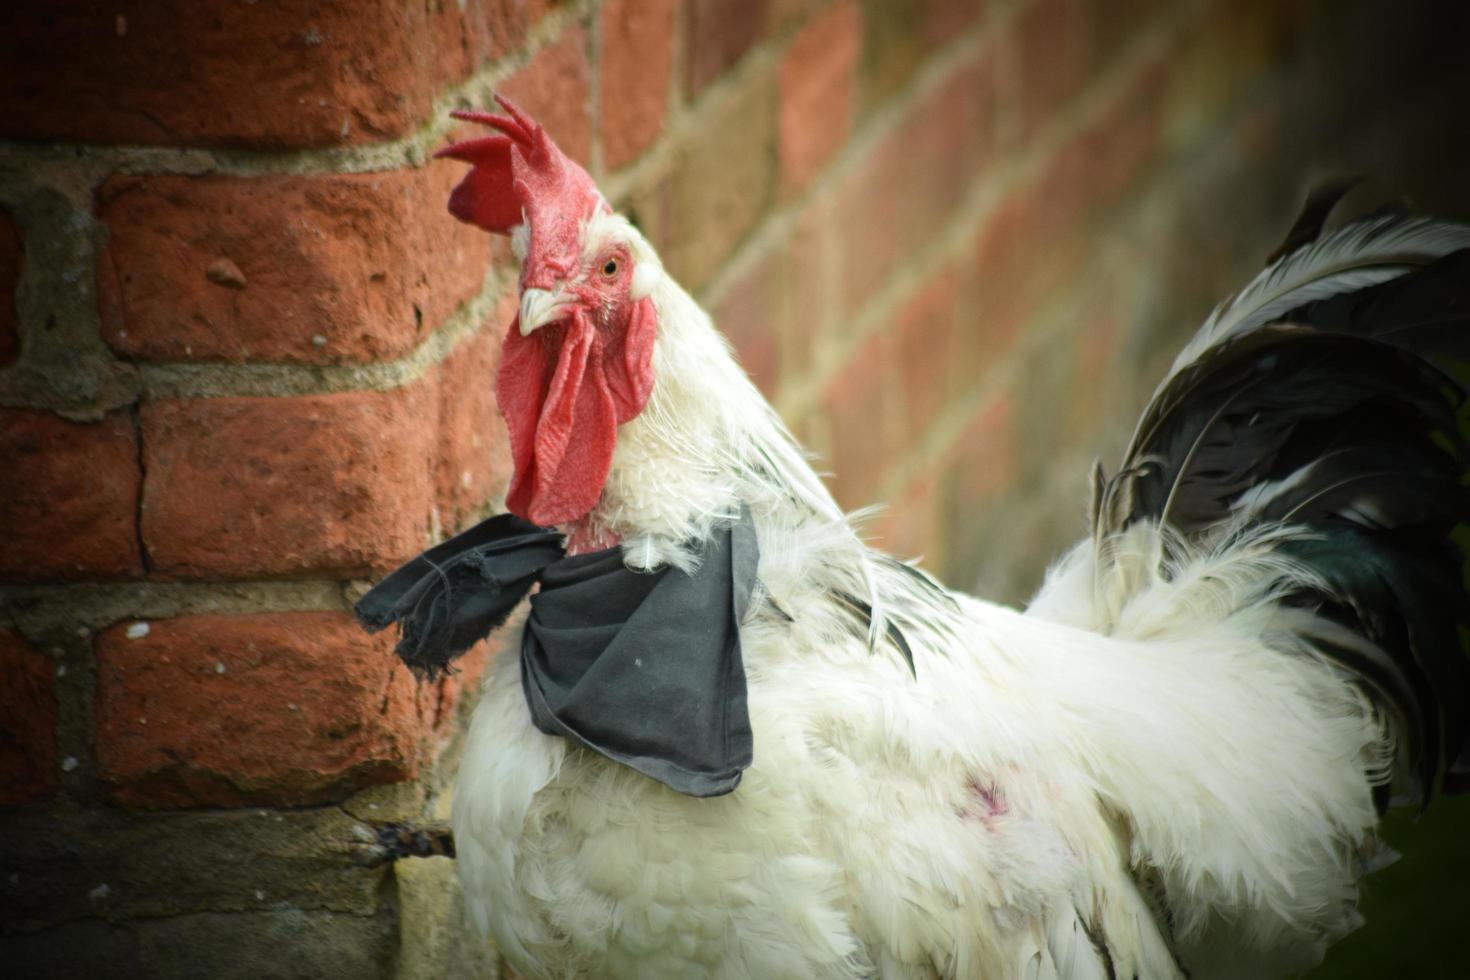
[[457, 593], [644, 668]]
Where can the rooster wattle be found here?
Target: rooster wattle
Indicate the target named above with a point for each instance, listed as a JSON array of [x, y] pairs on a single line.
[[739, 743]]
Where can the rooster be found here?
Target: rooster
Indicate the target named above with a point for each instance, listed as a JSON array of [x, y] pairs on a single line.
[[738, 742]]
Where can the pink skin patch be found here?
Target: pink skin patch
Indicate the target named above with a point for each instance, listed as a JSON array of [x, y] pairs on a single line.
[[585, 537], [988, 806], [566, 388]]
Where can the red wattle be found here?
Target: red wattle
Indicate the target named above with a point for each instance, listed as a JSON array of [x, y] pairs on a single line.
[[563, 398], [562, 421]]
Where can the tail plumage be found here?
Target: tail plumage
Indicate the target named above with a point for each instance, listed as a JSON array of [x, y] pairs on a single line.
[[1298, 479], [1319, 400]]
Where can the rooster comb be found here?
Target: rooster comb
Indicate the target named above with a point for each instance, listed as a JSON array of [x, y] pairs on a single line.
[[519, 175]]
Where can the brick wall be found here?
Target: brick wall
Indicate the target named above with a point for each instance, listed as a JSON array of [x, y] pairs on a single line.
[[246, 363]]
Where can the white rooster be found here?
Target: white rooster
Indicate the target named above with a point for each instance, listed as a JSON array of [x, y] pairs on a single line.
[[739, 743]]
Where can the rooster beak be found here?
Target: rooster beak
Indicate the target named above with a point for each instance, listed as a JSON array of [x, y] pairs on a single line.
[[540, 307]]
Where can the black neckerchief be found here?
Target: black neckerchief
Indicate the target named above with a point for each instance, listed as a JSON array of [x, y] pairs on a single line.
[[644, 668]]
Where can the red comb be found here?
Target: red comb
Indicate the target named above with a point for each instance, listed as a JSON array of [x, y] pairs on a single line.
[[522, 172]]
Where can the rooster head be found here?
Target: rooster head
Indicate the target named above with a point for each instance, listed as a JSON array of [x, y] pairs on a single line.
[[578, 359]]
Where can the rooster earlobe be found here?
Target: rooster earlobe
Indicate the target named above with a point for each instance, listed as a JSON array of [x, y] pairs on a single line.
[[631, 382], [486, 197]]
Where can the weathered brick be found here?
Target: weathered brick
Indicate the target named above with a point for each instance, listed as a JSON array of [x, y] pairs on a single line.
[[1094, 355], [913, 179], [718, 33], [553, 88], [473, 457], [909, 527], [27, 723], [469, 669], [243, 487], [10, 259], [1125, 137], [301, 942], [898, 34], [68, 497], [982, 460], [1121, 21], [471, 32], [750, 316], [810, 287], [181, 72], [299, 73], [227, 710], [319, 268], [863, 405], [944, 19], [635, 65], [1229, 45], [777, 311], [1053, 58], [817, 91], [720, 185], [166, 864], [926, 327], [783, 15], [1035, 239], [1031, 245]]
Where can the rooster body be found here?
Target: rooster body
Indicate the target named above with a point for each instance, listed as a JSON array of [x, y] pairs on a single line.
[[1171, 764]]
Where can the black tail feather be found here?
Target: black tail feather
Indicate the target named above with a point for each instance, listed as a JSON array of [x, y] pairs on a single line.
[[1344, 417]]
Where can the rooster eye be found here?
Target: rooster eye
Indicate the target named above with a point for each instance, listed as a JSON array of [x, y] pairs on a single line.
[[610, 268]]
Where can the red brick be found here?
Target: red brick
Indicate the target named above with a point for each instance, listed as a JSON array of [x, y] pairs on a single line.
[[1095, 357], [1116, 147], [783, 15], [817, 85], [636, 64], [472, 32], [554, 88], [1032, 244], [10, 259], [340, 267], [181, 72], [1053, 59], [467, 673], [878, 225], [1224, 52], [909, 527], [809, 287], [776, 311], [900, 34], [27, 723], [68, 497], [750, 316], [944, 19], [1036, 238], [278, 708], [337, 484], [1122, 22], [720, 186], [864, 408], [718, 33], [911, 182], [296, 73], [926, 328], [982, 461], [474, 457]]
